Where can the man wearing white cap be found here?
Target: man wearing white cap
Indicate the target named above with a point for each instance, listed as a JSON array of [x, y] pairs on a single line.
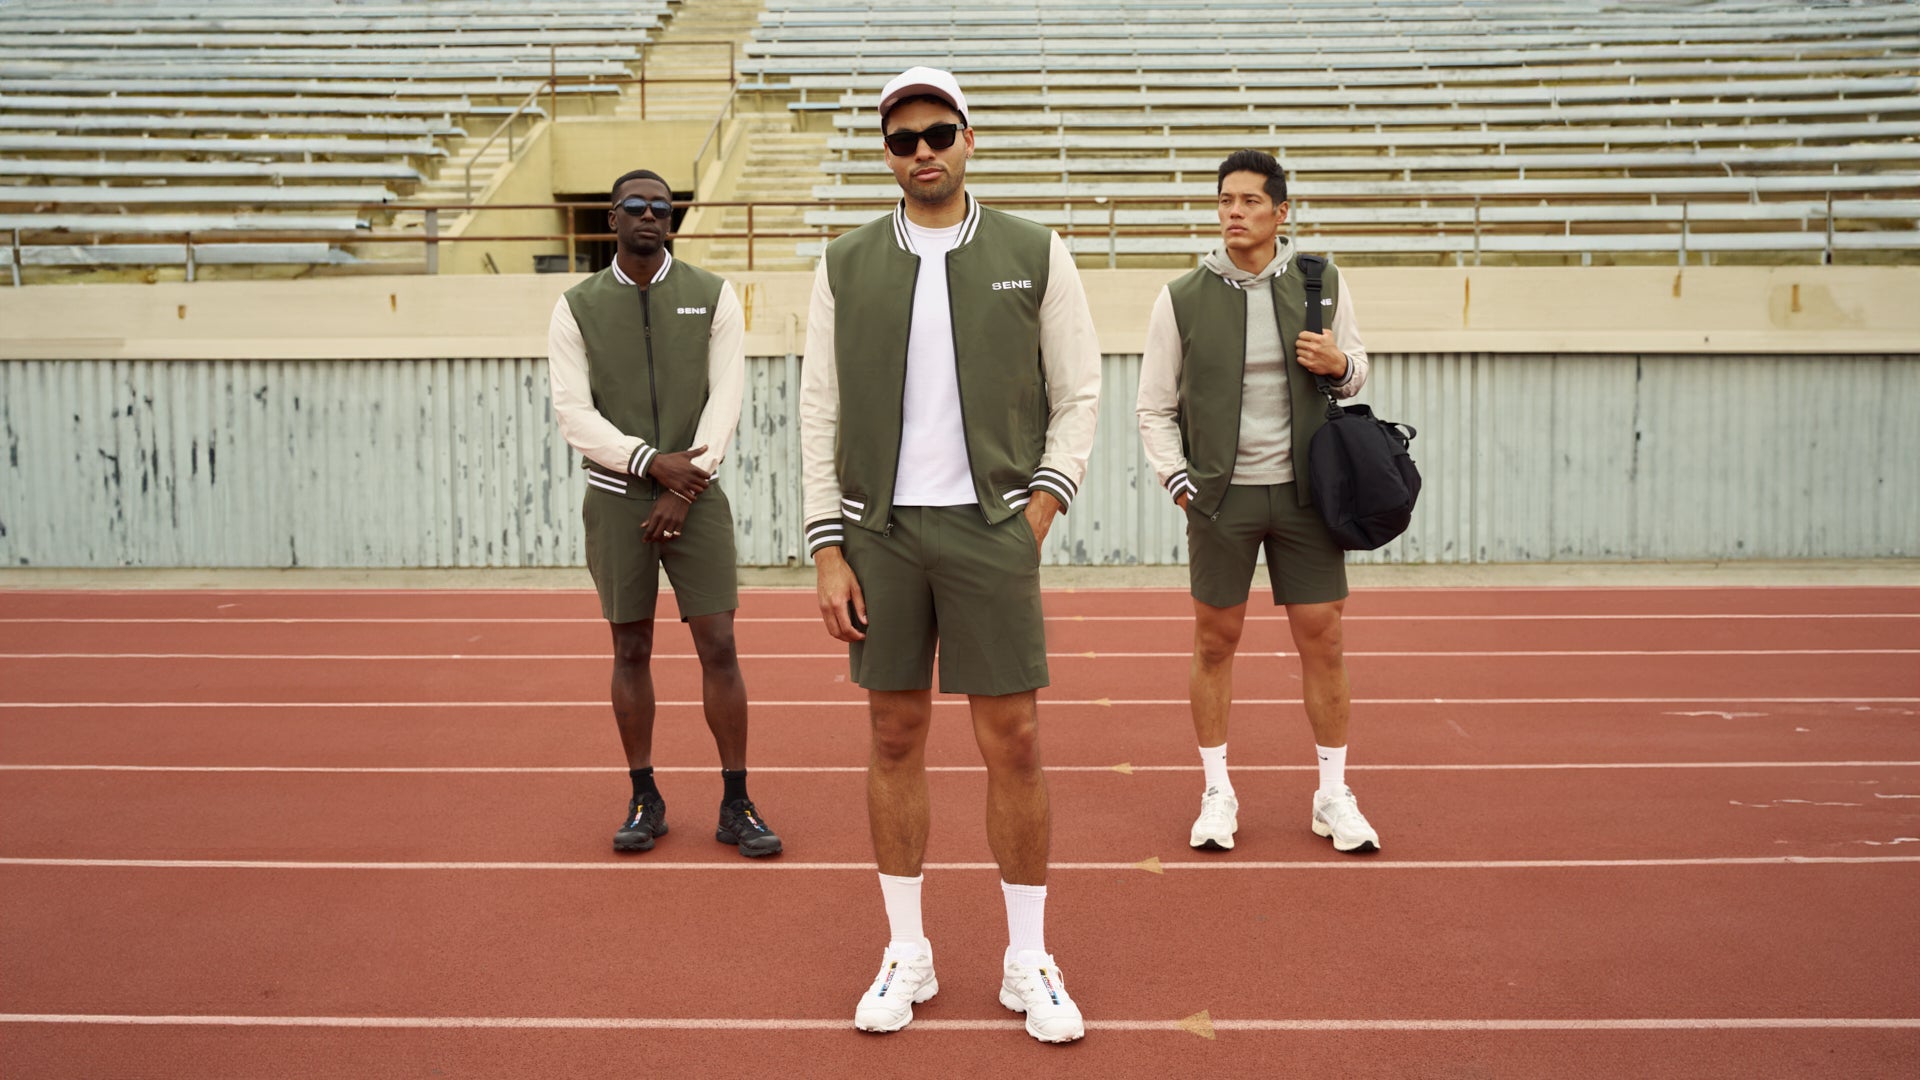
[[947, 410]]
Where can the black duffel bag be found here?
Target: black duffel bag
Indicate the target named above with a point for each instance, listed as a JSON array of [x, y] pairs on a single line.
[[1359, 471]]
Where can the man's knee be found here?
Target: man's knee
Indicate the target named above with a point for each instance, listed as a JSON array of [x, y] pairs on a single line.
[[1009, 735], [899, 731], [1317, 630], [1216, 637], [714, 642], [633, 642]]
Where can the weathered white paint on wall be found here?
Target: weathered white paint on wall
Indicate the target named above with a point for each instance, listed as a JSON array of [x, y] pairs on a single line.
[[370, 463]]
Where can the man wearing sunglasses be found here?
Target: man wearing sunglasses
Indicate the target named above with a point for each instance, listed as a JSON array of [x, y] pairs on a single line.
[[648, 370], [947, 409]]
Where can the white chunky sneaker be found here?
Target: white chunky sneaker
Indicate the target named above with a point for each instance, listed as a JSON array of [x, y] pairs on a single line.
[[1217, 822], [1038, 990], [1336, 814], [888, 1003]]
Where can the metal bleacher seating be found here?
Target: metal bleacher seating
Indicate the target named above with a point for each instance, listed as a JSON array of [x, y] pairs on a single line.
[[1412, 130], [133, 118]]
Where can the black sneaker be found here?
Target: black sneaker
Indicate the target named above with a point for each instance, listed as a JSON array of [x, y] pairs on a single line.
[[645, 820], [740, 824]]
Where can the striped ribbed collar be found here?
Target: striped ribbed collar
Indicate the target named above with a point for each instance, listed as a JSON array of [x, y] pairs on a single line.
[[666, 264], [968, 224]]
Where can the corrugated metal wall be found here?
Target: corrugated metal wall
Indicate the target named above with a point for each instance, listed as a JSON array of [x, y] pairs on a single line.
[[456, 462]]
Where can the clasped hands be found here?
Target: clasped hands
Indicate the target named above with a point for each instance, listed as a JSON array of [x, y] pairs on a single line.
[[682, 478]]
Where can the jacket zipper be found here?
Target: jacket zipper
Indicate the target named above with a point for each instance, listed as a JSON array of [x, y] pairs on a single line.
[[966, 430], [653, 386], [906, 358]]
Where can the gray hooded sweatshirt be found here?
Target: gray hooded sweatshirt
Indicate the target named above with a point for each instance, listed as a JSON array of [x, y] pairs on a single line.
[[1265, 455]]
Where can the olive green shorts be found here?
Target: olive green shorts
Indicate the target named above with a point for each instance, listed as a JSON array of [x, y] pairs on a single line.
[[626, 568], [1304, 565], [941, 573]]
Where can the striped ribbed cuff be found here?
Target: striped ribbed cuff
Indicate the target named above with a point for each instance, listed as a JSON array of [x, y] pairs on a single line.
[[1180, 483], [827, 532], [1055, 483], [643, 456]]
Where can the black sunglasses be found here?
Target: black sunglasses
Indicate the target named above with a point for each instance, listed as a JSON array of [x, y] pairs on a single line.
[[638, 207], [939, 137]]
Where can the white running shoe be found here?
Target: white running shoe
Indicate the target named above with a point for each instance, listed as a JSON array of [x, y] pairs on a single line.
[[1336, 814], [1038, 990], [1217, 822], [888, 1003]]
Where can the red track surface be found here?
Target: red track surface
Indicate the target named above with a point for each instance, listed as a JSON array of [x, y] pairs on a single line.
[[1544, 861]]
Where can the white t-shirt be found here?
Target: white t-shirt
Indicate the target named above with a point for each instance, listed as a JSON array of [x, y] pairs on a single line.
[[933, 469]]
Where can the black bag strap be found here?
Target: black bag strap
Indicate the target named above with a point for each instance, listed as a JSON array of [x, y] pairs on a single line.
[[1313, 267]]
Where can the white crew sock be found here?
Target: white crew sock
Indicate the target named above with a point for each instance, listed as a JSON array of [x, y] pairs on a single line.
[[902, 896], [1026, 921], [1333, 768], [1214, 760]]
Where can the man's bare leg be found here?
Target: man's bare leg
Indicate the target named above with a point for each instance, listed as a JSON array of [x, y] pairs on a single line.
[[722, 689], [1019, 820], [897, 802], [1216, 637], [633, 690], [1319, 636]]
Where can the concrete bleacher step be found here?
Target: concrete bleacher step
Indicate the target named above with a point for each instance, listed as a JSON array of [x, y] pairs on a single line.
[[670, 57], [781, 165]]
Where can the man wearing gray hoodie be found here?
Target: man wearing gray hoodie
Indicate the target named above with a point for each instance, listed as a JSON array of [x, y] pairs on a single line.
[[1227, 406]]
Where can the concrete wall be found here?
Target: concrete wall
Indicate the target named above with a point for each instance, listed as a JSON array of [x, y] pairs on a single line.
[[589, 153], [404, 422], [1507, 310]]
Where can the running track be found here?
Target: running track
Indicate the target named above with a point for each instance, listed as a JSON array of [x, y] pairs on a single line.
[[1648, 832]]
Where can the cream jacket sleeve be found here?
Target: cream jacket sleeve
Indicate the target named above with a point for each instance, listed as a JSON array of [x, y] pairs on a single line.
[[1157, 406], [820, 421], [580, 423], [726, 381], [1070, 359]]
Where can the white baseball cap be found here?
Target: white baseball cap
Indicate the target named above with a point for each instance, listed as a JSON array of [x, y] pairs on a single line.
[[924, 80]]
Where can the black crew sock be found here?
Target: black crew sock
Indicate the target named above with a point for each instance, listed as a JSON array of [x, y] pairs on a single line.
[[735, 781], [643, 783]]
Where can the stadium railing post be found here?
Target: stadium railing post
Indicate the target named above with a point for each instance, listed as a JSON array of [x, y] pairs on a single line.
[[433, 245], [14, 263], [1113, 235], [1826, 256], [1476, 230], [190, 266]]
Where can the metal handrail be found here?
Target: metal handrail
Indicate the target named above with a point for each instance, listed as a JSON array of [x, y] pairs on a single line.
[[506, 126], [712, 132], [1112, 228], [554, 80]]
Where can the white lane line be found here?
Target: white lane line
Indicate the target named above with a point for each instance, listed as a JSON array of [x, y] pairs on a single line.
[[951, 700], [861, 769], [815, 620], [735, 865], [1083, 654], [736, 1024], [1629, 1024]]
